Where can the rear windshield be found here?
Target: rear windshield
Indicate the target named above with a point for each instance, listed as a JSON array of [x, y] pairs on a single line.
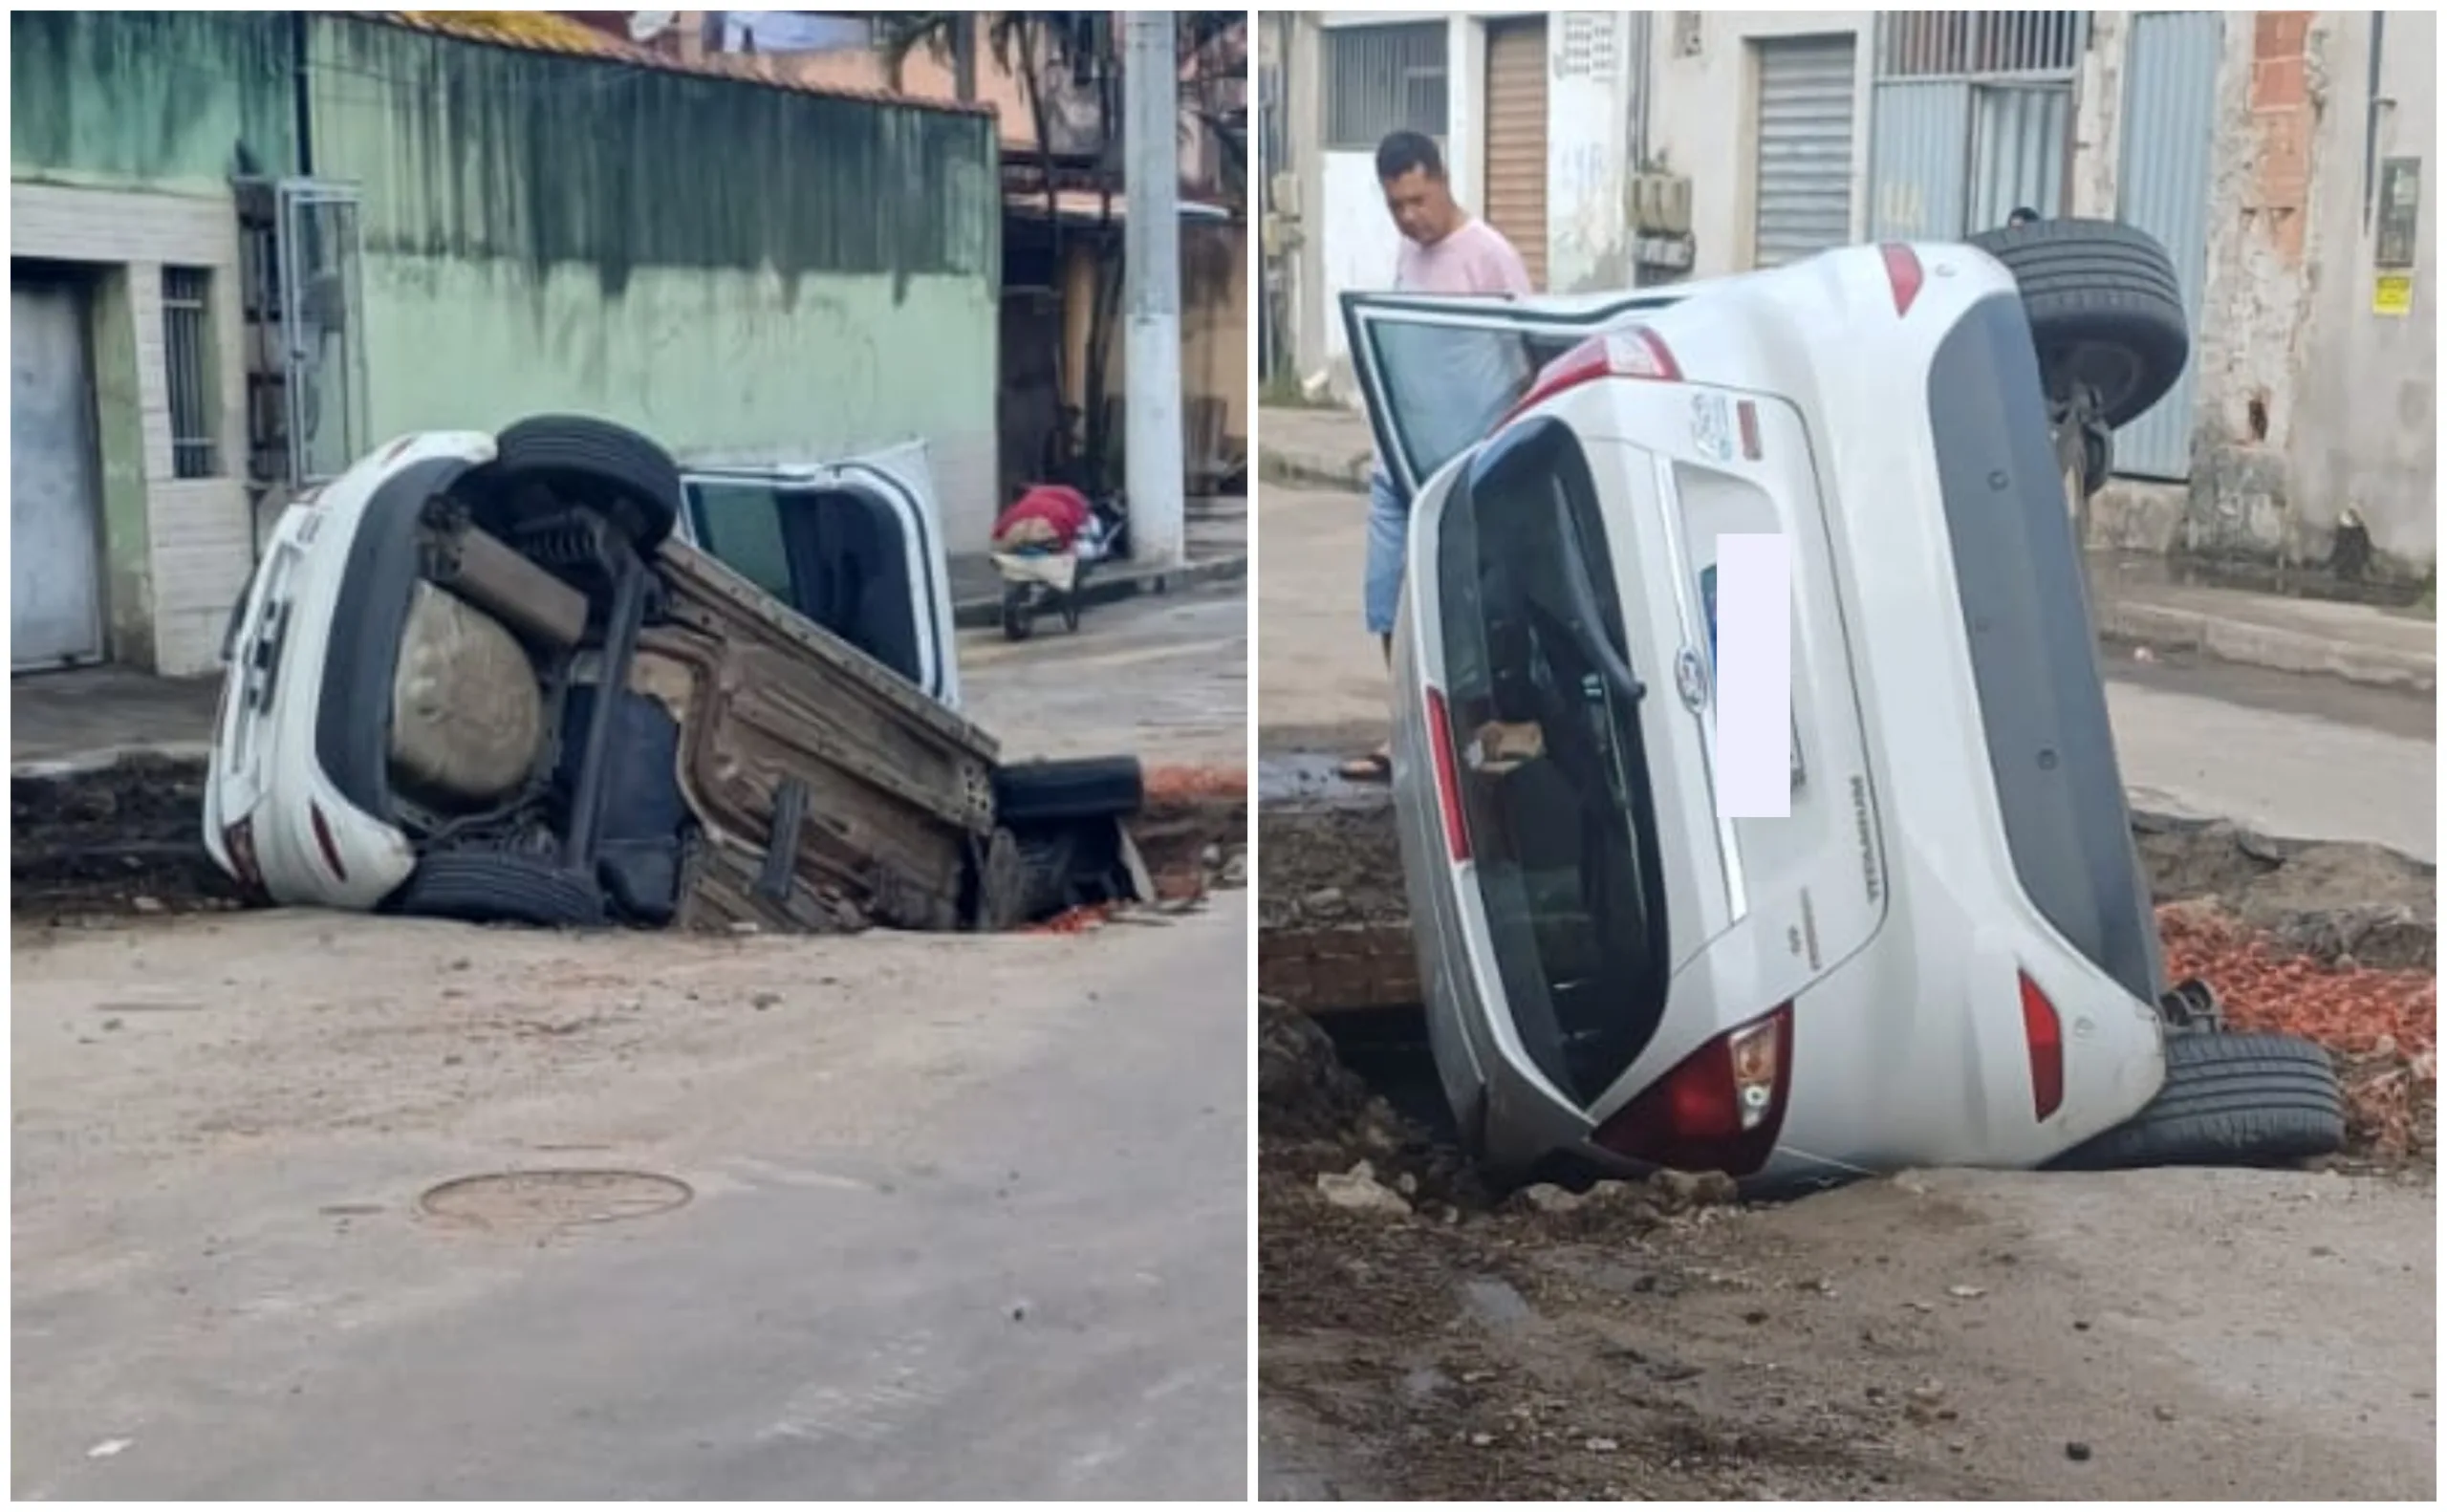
[[1554, 779]]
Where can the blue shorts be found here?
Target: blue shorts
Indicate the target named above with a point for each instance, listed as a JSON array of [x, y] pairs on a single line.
[[1389, 528]]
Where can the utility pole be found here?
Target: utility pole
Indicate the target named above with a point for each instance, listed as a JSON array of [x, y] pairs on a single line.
[[1152, 446]]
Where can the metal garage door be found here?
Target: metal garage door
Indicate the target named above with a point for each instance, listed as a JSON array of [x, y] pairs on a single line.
[[1803, 173], [1516, 177], [2170, 119], [54, 497]]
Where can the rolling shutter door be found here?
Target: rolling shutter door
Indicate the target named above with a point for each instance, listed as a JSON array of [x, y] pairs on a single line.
[[1804, 136], [1516, 177]]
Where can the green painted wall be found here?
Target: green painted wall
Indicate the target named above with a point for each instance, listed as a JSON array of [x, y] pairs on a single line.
[[175, 101], [745, 272]]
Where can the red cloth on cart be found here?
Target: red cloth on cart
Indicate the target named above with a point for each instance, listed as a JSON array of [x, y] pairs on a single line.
[[1048, 516]]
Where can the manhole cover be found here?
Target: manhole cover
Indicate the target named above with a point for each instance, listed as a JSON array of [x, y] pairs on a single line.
[[533, 1200]]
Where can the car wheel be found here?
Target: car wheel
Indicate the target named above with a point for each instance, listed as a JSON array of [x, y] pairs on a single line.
[[1019, 614], [2105, 310], [631, 479], [1088, 788], [2229, 1100], [487, 887]]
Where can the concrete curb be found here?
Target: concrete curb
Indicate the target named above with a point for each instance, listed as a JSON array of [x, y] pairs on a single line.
[[85, 763], [984, 611], [1314, 470], [2165, 627]]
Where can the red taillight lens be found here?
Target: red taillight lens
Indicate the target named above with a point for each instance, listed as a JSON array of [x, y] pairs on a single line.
[[1720, 1109], [323, 839], [1448, 777], [1634, 352], [239, 841], [1903, 274], [2044, 1032]]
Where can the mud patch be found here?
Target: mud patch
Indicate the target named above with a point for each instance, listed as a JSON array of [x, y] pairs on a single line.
[[1468, 1348], [2374, 906], [126, 838]]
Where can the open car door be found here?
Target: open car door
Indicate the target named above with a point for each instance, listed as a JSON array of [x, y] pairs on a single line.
[[856, 546]]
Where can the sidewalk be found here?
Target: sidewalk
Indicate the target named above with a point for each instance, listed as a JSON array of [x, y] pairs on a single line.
[[2135, 599], [1218, 531]]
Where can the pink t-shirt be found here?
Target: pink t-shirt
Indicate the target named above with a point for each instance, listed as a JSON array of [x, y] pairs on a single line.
[[1449, 386], [1474, 259]]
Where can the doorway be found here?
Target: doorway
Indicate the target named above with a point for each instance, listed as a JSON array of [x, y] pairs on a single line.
[[55, 480]]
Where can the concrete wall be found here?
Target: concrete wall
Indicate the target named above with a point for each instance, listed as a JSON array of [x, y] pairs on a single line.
[[2363, 429], [740, 270], [1590, 143], [1703, 113], [1698, 121]]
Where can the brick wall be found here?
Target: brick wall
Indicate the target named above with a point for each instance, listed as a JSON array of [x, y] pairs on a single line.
[[2282, 123]]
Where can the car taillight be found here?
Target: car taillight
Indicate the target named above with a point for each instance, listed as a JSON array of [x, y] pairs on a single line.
[[2045, 1033], [239, 841], [323, 839], [1720, 1109], [1634, 352], [1448, 777], [1903, 274]]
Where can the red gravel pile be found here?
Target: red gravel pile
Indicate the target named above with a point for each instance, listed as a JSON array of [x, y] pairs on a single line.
[[2382, 1026]]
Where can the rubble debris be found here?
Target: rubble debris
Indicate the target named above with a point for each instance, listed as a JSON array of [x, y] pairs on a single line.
[[1358, 1190], [2380, 1026]]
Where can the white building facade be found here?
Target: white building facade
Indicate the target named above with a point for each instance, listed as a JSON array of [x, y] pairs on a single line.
[[2278, 155]]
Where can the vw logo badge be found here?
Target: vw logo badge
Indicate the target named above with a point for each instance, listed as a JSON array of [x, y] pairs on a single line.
[[1690, 680]]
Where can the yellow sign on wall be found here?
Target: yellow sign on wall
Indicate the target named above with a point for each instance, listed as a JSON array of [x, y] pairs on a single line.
[[2392, 295]]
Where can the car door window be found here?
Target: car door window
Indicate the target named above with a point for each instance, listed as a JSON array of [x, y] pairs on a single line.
[[740, 526], [1439, 373], [1448, 386], [1545, 707]]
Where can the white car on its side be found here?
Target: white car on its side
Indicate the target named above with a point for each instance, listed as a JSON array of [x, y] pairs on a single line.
[[1946, 955], [546, 677]]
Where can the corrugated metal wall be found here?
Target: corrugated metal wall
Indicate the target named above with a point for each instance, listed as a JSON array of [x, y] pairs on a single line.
[[1516, 138], [2162, 187], [1804, 136], [1971, 114], [2022, 138], [1919, 157]]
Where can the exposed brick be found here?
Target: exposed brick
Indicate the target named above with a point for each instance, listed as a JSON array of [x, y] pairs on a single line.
[[2279, 84], [2280, 33]]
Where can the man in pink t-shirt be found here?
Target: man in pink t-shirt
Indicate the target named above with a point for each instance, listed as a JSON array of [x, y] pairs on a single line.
[[1457, 384]]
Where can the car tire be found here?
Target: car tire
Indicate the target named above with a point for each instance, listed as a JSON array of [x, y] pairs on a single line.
[[2104, 306], [2229, 1100], [1090, 788], [486, 887], [1018, 614], [631, 479]]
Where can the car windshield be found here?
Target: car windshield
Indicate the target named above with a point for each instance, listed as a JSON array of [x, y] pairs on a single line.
[[1545, 712]]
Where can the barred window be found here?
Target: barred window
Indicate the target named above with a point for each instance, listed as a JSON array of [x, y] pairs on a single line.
[[186, 349], [1381, 79], [1940, 44]]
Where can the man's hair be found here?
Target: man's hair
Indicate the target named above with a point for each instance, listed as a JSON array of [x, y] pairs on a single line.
[[1404, 150], [2023, 215]]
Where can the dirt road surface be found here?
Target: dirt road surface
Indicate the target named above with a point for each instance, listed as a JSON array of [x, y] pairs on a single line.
[[2212, 1334], [880, 1216]]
